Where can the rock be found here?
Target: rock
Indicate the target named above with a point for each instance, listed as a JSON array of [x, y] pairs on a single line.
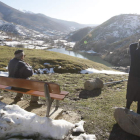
[[128, 120], [93, 84], [1, 97]]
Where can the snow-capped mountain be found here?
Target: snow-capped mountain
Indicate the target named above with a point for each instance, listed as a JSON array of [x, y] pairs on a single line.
[[38, 22], [113, 30], [25, 11]]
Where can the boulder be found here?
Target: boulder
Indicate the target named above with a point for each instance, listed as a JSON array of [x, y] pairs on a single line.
[[93, 84], [128, 120]]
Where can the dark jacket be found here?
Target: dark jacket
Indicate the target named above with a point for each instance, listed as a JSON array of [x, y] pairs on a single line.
[[133, 85], [135, 60], [19, 69]]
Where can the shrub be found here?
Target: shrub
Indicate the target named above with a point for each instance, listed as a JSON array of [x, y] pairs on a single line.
[[19, 46]]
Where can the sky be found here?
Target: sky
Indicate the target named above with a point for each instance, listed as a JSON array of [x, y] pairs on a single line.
[[81, 11]]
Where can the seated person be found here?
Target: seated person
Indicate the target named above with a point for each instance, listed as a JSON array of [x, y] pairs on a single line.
[[19, 69]]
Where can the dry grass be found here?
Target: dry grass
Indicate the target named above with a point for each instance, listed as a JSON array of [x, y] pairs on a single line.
[[96, 107]]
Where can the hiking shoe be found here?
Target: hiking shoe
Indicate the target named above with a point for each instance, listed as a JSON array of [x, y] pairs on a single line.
[[33, 103], [17, 99], [1, 97]]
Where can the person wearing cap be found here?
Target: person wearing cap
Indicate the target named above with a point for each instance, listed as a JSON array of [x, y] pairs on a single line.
[[19, 69], [133, 85]]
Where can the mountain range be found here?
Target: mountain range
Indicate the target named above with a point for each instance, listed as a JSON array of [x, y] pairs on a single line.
[[37, 22], [113, 30], [112, 38]]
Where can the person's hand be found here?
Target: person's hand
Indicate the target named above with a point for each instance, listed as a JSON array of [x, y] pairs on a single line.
[[138, 44], [27, 64]]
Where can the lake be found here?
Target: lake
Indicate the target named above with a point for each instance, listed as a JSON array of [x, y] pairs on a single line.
[[83, 55]]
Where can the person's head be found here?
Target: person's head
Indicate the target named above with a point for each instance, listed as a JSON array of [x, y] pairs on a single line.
[[19, 54]]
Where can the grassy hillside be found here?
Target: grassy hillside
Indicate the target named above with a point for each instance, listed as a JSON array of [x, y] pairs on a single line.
[[96, 107], [37, 58]]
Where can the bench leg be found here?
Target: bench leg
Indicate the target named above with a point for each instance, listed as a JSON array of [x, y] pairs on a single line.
[[49, 103], [49, 100], [57, 104]]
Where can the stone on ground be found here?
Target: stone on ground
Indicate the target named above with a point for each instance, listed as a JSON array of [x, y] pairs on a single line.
[[93, 84], [128, 120]]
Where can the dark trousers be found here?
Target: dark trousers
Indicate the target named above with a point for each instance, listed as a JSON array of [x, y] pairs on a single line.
[[128, 104], [33, 98]]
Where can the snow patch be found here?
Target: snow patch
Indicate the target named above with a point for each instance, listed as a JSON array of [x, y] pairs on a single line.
[[90, 51], [46, 70], [84, 137], [15, 121], [4, 73], [46, 63], [79, 127], [92, 70], [70, 44]]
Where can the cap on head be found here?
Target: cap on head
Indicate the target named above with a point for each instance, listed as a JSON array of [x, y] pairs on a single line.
[[18, 54], [18, 51]]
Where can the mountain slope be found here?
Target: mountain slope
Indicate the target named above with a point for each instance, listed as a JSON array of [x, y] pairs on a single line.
[[17, 29], [78, 34], [113, 30], [69, 24], [33, 21]]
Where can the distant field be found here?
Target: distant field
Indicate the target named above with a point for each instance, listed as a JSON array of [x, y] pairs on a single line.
[[37, 58]]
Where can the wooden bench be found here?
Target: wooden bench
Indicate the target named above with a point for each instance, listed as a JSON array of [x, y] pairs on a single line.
[[37, 88]]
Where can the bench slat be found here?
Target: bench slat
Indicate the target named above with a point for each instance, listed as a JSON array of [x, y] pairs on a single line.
[[29, 84], [64, 93], [32, 92]]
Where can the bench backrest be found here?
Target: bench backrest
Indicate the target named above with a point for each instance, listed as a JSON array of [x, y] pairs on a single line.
[[29, 84]]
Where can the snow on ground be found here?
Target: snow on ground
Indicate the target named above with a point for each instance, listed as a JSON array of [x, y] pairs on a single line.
[[90, 51], [4, 73], [12, 43], [36, 45], [70, 44], [46, 63], [84, 137], [92, 70], [65, 42], [51, 70], [15, 121], [45, 70]]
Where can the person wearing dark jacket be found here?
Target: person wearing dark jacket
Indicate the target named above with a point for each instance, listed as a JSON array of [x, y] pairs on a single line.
[[19, 69], [133, 85]]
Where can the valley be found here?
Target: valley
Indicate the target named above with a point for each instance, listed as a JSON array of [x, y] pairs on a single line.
[[69, 54]]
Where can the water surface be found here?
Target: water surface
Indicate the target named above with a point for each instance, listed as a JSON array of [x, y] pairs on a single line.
[[83, 55]]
